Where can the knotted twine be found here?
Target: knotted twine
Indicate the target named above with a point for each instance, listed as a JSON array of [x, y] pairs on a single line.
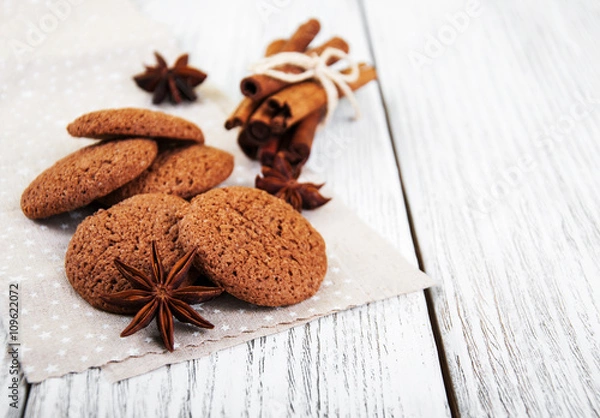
[[314, 66]]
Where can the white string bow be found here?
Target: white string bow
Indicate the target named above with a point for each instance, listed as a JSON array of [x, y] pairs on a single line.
[[314, 66]]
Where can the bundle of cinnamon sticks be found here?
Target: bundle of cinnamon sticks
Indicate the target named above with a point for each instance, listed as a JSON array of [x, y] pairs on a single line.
[[276, 116]]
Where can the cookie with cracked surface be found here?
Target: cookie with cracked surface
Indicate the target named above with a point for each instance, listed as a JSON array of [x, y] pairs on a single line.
[[85, 175], [254, 245], [133, 122], [184, 170], [126, 231]]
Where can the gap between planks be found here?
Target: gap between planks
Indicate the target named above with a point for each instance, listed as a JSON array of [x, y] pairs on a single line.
[[435, 327]]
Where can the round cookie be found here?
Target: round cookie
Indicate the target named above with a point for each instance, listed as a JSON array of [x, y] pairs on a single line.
[[125, 231], [254, 245], [132, 122], [184, 171], [85, 175]]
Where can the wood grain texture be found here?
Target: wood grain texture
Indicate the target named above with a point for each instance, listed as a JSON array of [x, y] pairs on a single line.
[[377, 360], [497, 138]]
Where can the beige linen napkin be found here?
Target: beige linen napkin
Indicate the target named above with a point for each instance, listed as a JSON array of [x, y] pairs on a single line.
[[81, 67]]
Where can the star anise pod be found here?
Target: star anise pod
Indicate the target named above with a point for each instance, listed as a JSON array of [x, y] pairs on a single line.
[[161, 296], [281, 180], [178, 82]]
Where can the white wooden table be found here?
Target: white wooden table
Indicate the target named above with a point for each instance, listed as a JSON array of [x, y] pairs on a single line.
[[477, 156]]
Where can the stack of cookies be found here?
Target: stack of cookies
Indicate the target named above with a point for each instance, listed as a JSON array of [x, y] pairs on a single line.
[[140, 151], [146, 167], [253, 245]]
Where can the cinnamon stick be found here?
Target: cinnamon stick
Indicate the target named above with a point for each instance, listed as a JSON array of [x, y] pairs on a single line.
[[267, 152], [335, 42], [278, 123], [275, 47], [247, 145], [299, 100], [301, 143], [257, 87], [241, 114], [259, 123], [303, 36]]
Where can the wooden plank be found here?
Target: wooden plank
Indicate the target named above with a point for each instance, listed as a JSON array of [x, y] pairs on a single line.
[[371, 361], [496, 122]]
